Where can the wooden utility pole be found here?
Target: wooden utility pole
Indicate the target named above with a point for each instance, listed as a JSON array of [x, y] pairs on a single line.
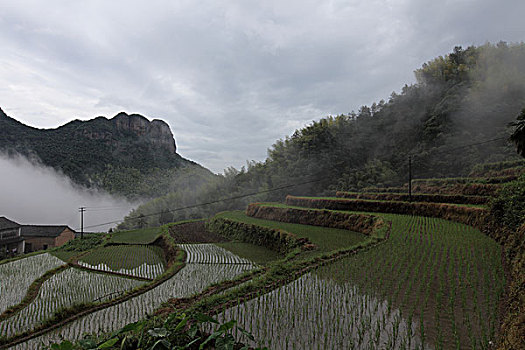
[[410, 178], [82, 210]]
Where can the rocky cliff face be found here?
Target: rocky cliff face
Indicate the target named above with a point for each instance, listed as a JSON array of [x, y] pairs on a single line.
[[109, 131], [156, 132]]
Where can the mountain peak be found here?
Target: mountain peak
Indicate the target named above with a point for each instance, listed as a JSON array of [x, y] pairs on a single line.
[[156, 131], [85, 149]]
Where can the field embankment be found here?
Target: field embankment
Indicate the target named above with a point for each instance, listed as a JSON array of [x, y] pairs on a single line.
[[362, 223], [416, 197], [473, 216], [275, 239]]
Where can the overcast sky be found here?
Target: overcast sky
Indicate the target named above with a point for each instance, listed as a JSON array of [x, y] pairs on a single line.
[[229, 77]]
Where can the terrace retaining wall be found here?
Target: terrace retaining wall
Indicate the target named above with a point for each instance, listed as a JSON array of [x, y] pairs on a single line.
[[362, 223], [417, 197], [275, 239], [476, 217]]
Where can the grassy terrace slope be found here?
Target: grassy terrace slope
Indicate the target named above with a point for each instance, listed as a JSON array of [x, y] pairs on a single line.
[[468, 214], [141, 236], [416, 197], [326, 239], [257, 254], [399, 201], [444, 275]]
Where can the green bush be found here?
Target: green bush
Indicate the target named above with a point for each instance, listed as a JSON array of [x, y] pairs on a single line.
[[82, 244], [508, 207]]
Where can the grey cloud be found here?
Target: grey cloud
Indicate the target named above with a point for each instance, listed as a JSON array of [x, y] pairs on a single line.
[[229, 77]]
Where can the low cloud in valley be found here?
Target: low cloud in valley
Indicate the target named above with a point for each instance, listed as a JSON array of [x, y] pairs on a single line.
[[34, 194]]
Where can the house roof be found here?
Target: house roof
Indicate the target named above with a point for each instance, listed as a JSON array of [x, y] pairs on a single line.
[[42, 231], [5, 223]]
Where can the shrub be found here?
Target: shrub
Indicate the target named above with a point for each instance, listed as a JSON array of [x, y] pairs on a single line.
[[509, 206]]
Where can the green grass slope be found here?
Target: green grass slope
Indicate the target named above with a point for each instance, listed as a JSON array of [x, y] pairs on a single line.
[[326, 239], [139, 236]]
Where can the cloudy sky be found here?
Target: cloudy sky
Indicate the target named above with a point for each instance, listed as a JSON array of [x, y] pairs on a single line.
[[230, 77]]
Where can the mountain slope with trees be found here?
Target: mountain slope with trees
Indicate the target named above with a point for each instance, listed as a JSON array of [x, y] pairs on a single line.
[[467, 96], [126, 155]]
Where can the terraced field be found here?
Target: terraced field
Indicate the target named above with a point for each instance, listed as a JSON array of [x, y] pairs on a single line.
[[134, 260], [378, 280], [193, 278], [17, 276], [211, 254], [443, 278], [323, 313], [326, 239], [256, 254], [65, 289], [206, 264]]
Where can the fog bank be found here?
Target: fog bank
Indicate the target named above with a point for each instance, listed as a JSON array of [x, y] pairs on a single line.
[[31, 193]]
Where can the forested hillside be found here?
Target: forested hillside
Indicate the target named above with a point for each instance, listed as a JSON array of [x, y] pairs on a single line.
[[127, 155], [467, 96]]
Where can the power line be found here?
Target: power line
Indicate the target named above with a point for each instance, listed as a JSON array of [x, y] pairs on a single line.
[[274, 189], [104, 208], [211, 202], [464, 146], [108, 209]]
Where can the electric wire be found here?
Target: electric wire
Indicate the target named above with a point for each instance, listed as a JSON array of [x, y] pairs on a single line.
[[210, 202], [273, 189]]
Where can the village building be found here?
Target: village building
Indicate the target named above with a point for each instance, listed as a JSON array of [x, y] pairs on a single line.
[[16, 238]]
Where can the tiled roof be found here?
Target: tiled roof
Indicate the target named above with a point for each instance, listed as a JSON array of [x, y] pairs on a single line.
[[42, 231], [6, 223]]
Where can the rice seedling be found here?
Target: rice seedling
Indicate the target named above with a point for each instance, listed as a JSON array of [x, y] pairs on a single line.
[[144, 270], [432, 284], [443, 278], [211, 254], [192, 279], [17, 276], [447, 275], [72, 286], [136, 260], [313, 312]]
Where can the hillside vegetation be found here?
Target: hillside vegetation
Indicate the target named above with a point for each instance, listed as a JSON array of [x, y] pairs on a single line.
[[467, 96], [127, 155]]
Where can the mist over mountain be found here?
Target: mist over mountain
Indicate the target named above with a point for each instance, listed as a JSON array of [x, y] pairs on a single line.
[[468, 96], [127, 155]]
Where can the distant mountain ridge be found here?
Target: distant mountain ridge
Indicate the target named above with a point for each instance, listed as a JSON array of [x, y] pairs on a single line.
[[90, 151], [156, 132]]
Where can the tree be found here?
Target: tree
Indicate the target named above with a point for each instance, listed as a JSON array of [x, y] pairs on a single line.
[[518, 136], [141, 221]]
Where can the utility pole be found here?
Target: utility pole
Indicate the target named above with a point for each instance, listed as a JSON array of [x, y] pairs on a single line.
[[410, 178], [82, 210]]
